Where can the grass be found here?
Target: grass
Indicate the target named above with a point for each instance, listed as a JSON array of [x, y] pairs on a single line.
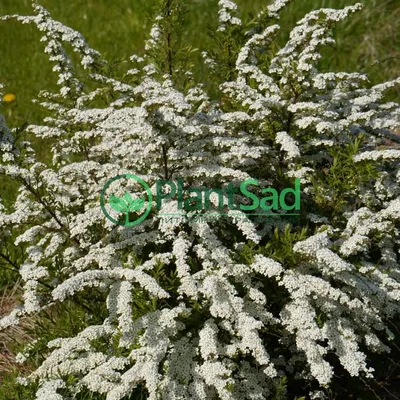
[[373, 34]]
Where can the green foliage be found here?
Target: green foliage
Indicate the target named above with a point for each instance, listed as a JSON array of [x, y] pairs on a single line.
[[338, 182], [280, 246], [226, 48], [281, 390], [9, 390], [169, 54]]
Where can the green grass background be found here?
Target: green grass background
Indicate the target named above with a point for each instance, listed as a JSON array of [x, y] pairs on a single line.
[[118, 29]]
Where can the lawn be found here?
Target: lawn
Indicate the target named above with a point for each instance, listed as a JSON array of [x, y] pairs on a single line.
[[119, 29]]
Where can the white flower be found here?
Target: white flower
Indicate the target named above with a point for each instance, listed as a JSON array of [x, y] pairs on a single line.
[[198, 309]]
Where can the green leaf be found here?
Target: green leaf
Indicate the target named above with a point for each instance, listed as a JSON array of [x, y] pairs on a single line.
[[136, 204], [128, 198], [118, 204]]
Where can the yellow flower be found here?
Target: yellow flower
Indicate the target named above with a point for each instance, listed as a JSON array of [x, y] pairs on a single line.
[[9, 97]]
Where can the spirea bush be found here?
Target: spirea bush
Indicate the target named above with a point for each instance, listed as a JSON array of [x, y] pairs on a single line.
[[223, 309]]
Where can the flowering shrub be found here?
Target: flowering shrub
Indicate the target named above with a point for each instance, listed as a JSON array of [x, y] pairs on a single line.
[[225, 309]]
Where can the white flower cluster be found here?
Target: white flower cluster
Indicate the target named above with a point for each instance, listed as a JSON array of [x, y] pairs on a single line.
[[227, 9], [288, 145], [7, 149], [54, 34], [220, 322]]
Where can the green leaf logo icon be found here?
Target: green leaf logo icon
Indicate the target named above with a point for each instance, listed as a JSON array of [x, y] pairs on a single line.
[[118, 204], [136, 205], [125, 204]]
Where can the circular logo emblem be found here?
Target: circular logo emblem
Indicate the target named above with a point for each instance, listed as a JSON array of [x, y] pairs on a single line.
[[126, 205]]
